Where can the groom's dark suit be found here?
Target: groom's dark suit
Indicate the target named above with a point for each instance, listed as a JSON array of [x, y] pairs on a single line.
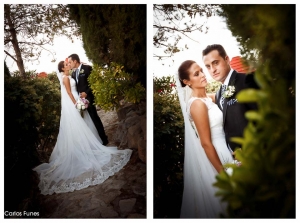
[[83, 86], [234, 120]]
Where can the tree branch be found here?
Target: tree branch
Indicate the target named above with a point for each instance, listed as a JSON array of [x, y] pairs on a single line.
[[7, 53]]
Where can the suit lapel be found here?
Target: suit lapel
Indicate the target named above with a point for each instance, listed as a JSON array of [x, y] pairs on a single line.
[[81, 68], [218, 97], [231, 83]]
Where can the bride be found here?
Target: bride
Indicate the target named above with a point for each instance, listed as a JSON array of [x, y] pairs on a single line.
[[205, 146], [78, 159]]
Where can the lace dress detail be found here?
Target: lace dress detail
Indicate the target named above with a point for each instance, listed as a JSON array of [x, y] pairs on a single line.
[[78, 159]]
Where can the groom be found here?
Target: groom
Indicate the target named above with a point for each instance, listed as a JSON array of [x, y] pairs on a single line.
[[81, 73], [218, 64]]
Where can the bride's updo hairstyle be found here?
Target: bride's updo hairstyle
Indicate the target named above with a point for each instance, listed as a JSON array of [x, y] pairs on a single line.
[[183, 71], [61, 65]]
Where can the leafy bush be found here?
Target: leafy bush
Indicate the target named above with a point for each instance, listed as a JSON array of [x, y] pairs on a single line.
[[31, 110], [31, 74], [264, 186], [168, 149], [112, 84], [48, 122]]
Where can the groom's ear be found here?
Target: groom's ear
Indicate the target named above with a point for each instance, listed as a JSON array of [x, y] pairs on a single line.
[[227, 59]]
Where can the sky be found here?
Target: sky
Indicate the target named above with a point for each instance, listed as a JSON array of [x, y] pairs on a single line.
[[217, 34], [62, 46]]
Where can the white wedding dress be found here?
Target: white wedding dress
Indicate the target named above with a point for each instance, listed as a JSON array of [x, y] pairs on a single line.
[[78, 159], [215, 116], [199, 200]]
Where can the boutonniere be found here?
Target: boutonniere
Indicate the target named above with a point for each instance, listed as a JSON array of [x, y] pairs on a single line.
[[81, 71], [229, 91]]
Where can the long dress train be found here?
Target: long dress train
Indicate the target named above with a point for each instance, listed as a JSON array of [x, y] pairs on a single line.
[[78, 159]]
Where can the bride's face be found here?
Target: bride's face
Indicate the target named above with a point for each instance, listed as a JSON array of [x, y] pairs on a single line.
[[197, 77], [67, 66]]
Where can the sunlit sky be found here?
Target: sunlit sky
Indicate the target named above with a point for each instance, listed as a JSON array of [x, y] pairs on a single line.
[[217, 34], [62, 46]]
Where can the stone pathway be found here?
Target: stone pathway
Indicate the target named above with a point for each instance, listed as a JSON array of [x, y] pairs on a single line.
[[120, 196]]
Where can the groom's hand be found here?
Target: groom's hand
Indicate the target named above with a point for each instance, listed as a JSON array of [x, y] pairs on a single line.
[[83, 95]]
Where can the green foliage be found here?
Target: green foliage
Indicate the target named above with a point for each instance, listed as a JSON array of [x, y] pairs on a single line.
[[264, 186], [31, 74], [168, 149], [48, 122], [32, 110], [112, 84], [114, 33]]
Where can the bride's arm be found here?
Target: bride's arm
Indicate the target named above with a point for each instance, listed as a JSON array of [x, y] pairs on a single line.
[[66, 82], [199, 114]]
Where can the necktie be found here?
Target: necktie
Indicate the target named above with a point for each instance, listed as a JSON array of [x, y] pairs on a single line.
[[77, 72], [222, 98]]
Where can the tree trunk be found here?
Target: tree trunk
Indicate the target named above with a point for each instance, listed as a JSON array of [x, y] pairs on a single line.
[[14, 41]]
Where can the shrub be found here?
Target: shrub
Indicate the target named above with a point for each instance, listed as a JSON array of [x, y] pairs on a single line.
[[112, 84], [264, 185], [168, 149], [31, 110]]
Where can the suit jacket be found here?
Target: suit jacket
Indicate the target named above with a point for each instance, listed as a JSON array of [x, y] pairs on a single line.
[[82, 84], [234, 120]]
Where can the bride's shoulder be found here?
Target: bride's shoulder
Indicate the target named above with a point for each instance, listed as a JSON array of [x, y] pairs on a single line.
[[65, 78], [195, 102], [212, 96]]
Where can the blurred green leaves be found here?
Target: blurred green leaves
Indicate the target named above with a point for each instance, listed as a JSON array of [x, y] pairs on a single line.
[[264, 185]]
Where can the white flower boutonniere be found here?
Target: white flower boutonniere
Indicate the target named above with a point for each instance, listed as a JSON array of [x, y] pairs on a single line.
[[81, 71], [228, 92]]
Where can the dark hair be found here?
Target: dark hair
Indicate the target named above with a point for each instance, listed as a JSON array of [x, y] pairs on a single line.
[[217, 47], [61, 65], [75, 57], [183, 71]]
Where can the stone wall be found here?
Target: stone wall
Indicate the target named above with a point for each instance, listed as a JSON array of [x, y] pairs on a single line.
[[131, 131]]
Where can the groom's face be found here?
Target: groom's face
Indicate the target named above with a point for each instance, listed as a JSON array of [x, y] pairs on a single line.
[[217, 66], [72, 63]]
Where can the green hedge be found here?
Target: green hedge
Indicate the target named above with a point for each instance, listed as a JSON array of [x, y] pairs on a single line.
[[32, 113]]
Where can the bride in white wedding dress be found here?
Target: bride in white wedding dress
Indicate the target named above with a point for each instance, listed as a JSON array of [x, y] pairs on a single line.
[[78, 159], [205, 146]]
